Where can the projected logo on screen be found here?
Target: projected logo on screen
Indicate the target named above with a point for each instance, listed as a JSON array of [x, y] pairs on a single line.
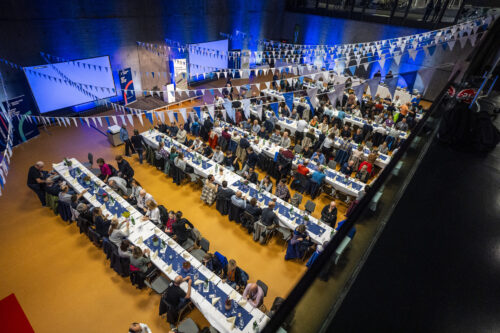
[[127, 85]]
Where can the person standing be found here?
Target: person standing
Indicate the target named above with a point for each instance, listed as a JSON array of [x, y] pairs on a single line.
[[138, 144], [36, 181], [139, 328], [124, 137]]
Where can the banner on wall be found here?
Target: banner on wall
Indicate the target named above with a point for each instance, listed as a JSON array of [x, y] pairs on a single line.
[[23, 129], [170, 95], [127, 85], [180, 73]]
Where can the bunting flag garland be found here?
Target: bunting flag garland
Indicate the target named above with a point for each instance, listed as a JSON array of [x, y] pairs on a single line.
[[392, 83], [259, 111], [311, 107], [410, 79], [183, 113], [359, 91], [289, 100], [274, 107], [211, 111], [373, 85], [246, 107], [426, 75], [332, 97]]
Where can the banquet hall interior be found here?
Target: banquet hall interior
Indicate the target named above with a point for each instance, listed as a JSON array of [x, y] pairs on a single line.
[[249, 166]]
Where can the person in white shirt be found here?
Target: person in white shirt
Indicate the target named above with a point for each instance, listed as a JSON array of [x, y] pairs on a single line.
[[285, 140], [118, 184], [153, 212], [397, 101], [139, 328], [197, 144], [218, 155], [136, 190], [299, 133], [357, 112], [115, 234], [142, 199], [181, 135]]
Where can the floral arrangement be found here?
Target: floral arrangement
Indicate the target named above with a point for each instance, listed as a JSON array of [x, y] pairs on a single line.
[[67, 162], [126, 214]]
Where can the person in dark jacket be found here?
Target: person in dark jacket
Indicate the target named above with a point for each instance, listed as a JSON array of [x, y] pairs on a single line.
[[181, 232], [101, 222], [212, 263], [138, 143], [253, 209], [329, 214], [124, 169]]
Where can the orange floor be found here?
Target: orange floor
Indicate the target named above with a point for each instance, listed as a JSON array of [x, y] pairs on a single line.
[[64, 283]]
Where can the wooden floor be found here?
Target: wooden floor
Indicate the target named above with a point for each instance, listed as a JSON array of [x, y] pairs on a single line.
[[64, 283]]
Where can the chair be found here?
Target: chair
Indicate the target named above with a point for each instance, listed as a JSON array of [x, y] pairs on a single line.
[[332, 164], [286, 234], [263, 286], [64, 210], [95, 237], [297, 149], [83, 224], [188, 326], [310, 206], [222, 204], [109, 248], [120, 265], [247, 221], [234, 213], [158, 284], [173, 315], [296, 199], [200, 253]]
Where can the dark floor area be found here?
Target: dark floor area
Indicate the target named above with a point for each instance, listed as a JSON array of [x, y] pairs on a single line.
[[436, 266]]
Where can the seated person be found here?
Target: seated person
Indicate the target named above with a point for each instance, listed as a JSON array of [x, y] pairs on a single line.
[[254, 294], [262, 133], [329, 214], [181, 232], [224, 191], [84, 211], [142, 199], [218, 155], [307, 152], [196, 145], [253, 209], [212, 263], [269, 218], [118, 184], [346, 132], [299, 243], [251, 175], [231, 274], [230, 161], [358, 137], [101, 222], [348, 168], [175, 296], [207, 151], [66, 194], [276, 137], [363, 174], [116, 236], [368, 164], [303, 169], [266, 184], [285, 141], [239, 200], [317, 178], [181, 135], [152, 212], [125, 249], [318, 157], [179, 162], [282, 190]]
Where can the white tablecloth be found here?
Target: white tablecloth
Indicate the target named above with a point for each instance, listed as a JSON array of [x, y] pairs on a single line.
[[143, 230], [222, 174]]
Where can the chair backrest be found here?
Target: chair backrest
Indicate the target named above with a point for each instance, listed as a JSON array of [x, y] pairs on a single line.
[[222, 259], [91, 158], [332, 164], [196, 234], [205, 244], [263, 286], [310, 206], [297, 199]]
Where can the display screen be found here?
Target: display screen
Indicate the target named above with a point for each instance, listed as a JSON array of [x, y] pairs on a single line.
[[208, 57], [52, 92]]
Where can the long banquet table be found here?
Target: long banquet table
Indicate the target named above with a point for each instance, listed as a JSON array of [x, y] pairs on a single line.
[[349, 186], [291, 125], [289, 216], [209, 292]]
